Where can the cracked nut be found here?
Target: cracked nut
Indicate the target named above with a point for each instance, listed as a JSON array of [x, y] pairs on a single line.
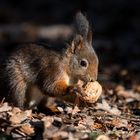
[[92, 91]]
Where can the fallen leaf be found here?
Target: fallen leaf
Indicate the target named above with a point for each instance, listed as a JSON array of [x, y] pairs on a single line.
[[133, 138], [127, 93], [119, 123], [68, 110], [53, 108], [60, 109], [48, 121], [105, 106], [27, 129], [75, 110], [5, 107], [17, 116], [96, 125], [60, 135]]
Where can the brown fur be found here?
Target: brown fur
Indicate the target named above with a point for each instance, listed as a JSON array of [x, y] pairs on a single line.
[[34, 71]]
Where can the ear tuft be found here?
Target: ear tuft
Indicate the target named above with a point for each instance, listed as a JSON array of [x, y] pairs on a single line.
[[82, 25]]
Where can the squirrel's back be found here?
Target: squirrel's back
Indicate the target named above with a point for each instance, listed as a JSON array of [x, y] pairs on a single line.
[[29, 59]]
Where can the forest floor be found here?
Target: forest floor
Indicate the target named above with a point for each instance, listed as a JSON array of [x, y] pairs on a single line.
[[116, 115]]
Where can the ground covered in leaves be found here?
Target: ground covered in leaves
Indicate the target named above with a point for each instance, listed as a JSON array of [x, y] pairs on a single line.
[[116, 115]]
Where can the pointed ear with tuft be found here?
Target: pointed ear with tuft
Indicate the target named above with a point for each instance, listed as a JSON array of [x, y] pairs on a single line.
[[83, 28]]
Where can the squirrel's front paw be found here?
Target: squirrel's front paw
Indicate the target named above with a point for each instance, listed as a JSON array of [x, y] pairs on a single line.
[[77, 89], [89, 92]]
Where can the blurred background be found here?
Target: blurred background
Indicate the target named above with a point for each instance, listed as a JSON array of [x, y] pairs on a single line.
[[116, 30]]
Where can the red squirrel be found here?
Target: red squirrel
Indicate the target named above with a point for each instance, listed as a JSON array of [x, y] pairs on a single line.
[[33, 71]]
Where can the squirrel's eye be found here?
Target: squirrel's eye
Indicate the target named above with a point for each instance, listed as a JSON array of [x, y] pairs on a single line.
[[84, 63]]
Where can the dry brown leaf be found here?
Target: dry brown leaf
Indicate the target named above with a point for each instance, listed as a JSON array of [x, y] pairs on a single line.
[[49, 129], [68, 110], [14, 110], [82, 121], [53, 108], [89, 120], [17, 116], [60, 135], [80, 127], [119, 123], [115, 122], [5, 107], [120, 90], [60, 109], [129, 94], [27, 129], [48, 121], [96, 125], [75, 110], [133, 138], [105, 106]]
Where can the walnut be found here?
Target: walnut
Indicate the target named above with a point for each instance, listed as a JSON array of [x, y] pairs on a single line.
[[92, 91]]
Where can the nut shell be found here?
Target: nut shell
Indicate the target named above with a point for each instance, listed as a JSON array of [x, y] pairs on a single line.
[[92, 91]]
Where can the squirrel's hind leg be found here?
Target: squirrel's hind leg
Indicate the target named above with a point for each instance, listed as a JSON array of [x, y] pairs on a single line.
[[33, 96]]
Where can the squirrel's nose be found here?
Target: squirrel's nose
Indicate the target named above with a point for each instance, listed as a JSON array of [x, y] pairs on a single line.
[[89, 78], [92, 79]]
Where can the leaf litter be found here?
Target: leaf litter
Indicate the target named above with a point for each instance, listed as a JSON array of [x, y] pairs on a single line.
[[109, 118]]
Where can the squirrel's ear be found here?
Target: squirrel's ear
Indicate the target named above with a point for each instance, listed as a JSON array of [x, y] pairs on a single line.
[[82, 27]]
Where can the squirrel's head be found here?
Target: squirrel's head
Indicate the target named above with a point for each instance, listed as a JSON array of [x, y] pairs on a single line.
[[83, 61]]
